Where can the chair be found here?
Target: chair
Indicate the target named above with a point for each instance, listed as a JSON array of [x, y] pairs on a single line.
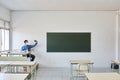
[[83, 67]]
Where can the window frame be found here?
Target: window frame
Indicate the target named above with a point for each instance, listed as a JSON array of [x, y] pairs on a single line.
[[9, 29]]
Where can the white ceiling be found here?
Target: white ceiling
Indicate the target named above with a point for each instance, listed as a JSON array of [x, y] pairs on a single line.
[[61, 4]]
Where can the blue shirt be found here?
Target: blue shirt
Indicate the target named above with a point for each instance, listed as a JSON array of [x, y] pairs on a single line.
[[27, 48]]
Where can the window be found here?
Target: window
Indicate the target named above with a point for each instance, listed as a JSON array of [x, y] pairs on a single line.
[[4, 35]]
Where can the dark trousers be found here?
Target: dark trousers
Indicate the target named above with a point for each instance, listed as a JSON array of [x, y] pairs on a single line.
[[32, 57]]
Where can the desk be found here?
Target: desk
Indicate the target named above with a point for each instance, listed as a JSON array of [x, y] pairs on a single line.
[[18, 63], [9, 76], [14, 64], [23, 63], [102, 76], [80, 62]]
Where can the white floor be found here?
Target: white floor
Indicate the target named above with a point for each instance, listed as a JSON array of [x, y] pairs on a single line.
[[61, 73], [53, 74]]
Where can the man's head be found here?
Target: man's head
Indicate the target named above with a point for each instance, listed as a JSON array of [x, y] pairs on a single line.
[[26, 41]]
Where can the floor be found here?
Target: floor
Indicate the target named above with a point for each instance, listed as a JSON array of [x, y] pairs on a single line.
[[63, 73], [53, 74]]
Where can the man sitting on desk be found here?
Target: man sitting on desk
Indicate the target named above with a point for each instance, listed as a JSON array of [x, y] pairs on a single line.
[[27, 49]]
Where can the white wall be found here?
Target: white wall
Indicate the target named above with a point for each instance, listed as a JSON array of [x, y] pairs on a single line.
[[4, 13], [35, 24]]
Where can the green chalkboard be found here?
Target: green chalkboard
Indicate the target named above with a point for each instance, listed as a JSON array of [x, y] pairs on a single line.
[[68, 42]]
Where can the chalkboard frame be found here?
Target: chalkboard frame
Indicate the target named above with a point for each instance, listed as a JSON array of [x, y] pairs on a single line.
[[86, 35]]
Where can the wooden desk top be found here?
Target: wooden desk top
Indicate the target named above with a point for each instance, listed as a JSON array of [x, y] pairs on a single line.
[[4, 63], [13, 53], [11, 76], [81, 62], [102, 76], [116, 61], [19, 63], [28, 63]]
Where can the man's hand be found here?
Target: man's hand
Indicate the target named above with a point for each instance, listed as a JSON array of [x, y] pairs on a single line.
[[35, 41]]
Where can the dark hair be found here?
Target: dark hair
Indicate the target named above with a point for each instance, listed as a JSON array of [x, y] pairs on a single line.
[[25, 41]]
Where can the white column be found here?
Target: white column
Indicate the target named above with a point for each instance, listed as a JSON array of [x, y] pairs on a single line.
[[117, 34]]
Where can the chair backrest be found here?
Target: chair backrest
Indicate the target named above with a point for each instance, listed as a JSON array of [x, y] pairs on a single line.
[[82, 69], [13, 58]]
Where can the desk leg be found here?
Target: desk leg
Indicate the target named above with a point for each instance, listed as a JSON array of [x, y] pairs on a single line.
[[90, 67], [0, 68], [35, 72], [86, 78], [32, 73], [71, 72], [119, 68]]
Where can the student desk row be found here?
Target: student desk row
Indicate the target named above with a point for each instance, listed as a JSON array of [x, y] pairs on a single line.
[[12, 65], [18, 63]]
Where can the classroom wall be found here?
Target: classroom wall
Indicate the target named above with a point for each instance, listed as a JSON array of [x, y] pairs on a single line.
[[4, 13], [33, 25]]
